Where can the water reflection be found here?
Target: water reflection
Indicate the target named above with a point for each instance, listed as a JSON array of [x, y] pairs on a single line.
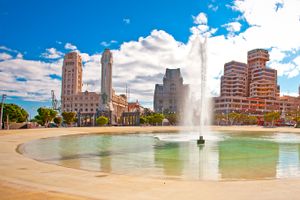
[[168, 157], [104, 145], [288, 161], [241, 158], [234, 157]]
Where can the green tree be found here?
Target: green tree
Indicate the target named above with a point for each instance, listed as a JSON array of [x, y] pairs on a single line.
[[14, 112], [297, 120], [233, 117], [147, 111], [58, 120], [143, 120], [45, 115], [101, 121], [272, 117], [172, 118], [252, 120], [68, 117], [218, 118], [242, 119], [155, 118]]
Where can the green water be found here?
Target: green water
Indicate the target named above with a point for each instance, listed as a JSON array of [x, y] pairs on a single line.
[[225, 156]]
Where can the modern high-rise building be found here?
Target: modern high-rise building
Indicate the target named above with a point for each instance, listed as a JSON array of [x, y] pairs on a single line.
[[262, 80], [171, 95], [252, 87], [234, 81]]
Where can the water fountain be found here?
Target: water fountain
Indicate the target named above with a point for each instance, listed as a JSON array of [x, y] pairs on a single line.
[[197, 107]]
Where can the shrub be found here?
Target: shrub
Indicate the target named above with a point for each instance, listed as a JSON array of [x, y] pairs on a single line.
[[101, 121]]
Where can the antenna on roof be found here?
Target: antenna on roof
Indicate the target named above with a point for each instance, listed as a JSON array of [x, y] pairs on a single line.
[[126, 92], [128, 95]]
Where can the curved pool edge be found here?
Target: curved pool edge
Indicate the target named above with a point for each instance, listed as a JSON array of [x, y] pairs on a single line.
[[25, 172]]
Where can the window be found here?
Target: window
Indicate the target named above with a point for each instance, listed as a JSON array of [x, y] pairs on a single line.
[[172, 87]]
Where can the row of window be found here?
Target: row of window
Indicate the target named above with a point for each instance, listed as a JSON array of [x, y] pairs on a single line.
[[80, 98], [81, 110], [75, 105]]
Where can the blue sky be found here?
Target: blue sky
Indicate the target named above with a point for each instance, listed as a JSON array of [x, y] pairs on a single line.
[[35, 25], [145, 36]]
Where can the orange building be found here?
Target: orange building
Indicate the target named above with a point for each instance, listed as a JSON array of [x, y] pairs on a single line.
[[252, 87]]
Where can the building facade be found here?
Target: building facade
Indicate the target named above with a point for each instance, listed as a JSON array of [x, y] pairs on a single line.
[[234, 81], [252, 88], [171, 95], [89, 104], [106, 77], [262, 80]]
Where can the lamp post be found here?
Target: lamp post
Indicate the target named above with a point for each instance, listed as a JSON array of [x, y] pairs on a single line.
[[1, 114], [297, 116]]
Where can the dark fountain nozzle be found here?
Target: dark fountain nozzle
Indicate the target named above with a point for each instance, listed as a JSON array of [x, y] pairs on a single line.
[[201, 140]]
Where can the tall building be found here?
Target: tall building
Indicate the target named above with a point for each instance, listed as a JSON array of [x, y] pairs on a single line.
[[71, 74], [109, 101], [234, 81], [252, 88], [88, 104], [106, 75], [262, 80], [72, 97], [170, 96]]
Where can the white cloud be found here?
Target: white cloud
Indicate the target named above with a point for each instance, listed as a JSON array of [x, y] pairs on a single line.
[[85, 57], [276, 54], [107, 44], [288, 93], [142, 63], [5, 56], [213, 7], [233, 27], [36, 74], [70, 46], [8, 49], [19, 56], [52, 53], [297, 61], [126, 20], [200, 19]]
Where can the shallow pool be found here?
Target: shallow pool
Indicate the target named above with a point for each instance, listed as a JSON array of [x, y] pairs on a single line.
[[225, 155]]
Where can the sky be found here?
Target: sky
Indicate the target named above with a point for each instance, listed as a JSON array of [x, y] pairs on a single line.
[[146, 37]]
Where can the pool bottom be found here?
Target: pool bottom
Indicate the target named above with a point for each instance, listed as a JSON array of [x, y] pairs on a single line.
[[225, 156]]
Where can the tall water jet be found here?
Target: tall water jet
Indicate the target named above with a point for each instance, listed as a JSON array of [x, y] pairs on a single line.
[[197, 109]]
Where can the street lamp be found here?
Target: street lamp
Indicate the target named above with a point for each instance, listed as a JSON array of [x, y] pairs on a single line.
[[2, 104], [297, 116]]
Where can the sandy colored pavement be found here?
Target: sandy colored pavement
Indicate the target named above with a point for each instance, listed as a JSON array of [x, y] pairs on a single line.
[[24, 178]]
